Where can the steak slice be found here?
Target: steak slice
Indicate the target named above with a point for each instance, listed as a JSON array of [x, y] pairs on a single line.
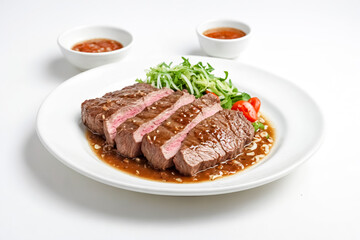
[[216, 139], [160, 145], [103, 115], [130, 133]]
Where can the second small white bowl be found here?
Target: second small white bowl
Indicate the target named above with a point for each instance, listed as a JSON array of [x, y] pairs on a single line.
[[224, 48], [85, 60]]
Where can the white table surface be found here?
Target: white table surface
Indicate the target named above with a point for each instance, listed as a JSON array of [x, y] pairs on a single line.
[[312, 43]]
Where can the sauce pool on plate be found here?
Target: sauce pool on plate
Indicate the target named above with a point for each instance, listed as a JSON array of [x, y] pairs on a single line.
[[258, 149], [224, 33], [97, 45]]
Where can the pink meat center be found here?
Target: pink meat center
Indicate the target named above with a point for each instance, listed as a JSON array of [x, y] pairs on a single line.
[[174, 144], [119, 118], [152, 125]]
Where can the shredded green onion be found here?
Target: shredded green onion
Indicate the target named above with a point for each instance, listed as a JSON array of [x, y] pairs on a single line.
[[258, 125], [197, 79]]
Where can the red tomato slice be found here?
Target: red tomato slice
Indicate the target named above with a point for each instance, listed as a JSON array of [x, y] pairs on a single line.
[[256, 103], [247, 109], [237, 105], [212, 93]]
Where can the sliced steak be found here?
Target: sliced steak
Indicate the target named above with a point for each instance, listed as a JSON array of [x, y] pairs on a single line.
[[130, 133], [103, 115], [160, 145], [216, 139]]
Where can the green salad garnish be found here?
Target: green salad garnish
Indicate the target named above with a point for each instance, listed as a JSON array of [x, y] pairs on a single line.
[[197, 79]]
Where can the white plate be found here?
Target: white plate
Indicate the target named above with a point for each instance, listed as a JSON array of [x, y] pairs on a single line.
[[296, 117]]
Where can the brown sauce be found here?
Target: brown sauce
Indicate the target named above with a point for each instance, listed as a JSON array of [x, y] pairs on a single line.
[[264, 140], [97, 45], [224, 33]]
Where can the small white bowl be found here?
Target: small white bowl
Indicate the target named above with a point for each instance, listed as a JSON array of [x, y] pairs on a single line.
[[84, 60], [224, 48]]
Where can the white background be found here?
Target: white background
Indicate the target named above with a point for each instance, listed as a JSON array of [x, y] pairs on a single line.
[[315, 44]]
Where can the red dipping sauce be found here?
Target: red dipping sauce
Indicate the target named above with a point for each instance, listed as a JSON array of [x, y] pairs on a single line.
[[97, 45], [224, 33]]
